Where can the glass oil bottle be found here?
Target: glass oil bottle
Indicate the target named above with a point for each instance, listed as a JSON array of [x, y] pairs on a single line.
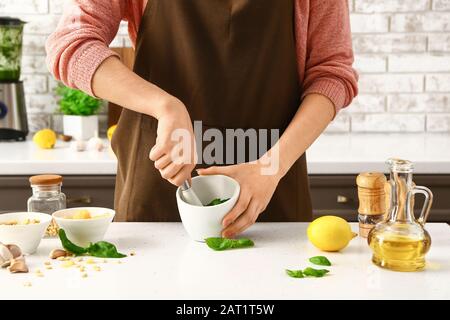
[[401, 242]]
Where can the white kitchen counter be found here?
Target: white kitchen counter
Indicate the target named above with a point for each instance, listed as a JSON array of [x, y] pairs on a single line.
[[330, 154], [355, 153], [168, 265], [25, 158]]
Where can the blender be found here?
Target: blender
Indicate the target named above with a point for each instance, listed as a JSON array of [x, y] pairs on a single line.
[[13, 115]]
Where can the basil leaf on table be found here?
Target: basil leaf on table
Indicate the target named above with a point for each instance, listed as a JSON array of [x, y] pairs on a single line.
[[101, 249], [318, 273], [220, 244], [295, 273], [243, 243], [320, 261], [69, 245]]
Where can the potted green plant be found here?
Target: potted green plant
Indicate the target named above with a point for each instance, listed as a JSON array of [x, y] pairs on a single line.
[[79, 112]]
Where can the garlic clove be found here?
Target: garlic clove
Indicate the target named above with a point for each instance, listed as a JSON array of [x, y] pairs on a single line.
[[58, 253], [18, 265], [15, 250], [6, 264]]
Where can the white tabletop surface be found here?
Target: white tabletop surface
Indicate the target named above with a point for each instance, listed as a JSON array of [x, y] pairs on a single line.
[[168, 265], [330, 154]]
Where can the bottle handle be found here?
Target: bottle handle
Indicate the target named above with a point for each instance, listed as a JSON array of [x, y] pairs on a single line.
[[426, 205]]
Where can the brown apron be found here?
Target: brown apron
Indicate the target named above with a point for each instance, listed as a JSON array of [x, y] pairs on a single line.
[[233, 64]]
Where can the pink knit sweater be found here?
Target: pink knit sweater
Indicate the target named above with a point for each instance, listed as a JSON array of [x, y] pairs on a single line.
[[322, 30]]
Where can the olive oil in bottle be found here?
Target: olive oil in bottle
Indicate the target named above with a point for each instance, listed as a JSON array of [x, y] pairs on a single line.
[[400, 252], [401, 242]]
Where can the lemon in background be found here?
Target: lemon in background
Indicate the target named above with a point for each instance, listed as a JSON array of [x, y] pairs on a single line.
[[110, 131], [45, 139], [330, 233]]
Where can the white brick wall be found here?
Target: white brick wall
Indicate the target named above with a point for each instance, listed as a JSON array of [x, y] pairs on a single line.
[[441, 5], [403, 55], [402, 52], [370, 6]]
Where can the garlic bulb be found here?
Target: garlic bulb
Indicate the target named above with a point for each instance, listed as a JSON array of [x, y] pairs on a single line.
[[5, 255], [12, 258], [15, 250], [96, 144], [78, 145]]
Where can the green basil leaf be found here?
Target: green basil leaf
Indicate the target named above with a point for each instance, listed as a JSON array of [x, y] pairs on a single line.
[[213, 202], [318, 273], [217, 201], [320, 261], [215, 243], [243, 243], [68, 245], [226, 244], [103, 249], [220, 244], [295, 273]]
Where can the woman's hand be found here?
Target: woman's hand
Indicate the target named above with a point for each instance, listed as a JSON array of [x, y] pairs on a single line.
[[116, 83], [256, 191], [175, 159]]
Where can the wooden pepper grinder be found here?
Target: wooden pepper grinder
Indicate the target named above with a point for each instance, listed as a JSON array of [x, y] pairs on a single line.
[[372, 205]]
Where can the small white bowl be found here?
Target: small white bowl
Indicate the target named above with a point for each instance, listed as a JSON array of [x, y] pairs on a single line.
[[204, 222], [84, 231], [26, 236]]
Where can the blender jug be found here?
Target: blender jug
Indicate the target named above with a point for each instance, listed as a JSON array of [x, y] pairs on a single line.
[[11, 31]]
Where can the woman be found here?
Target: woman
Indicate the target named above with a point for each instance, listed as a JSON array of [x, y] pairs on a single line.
[[262, 64]]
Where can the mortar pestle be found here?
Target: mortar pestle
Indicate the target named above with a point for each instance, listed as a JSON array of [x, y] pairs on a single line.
[[202, 222]]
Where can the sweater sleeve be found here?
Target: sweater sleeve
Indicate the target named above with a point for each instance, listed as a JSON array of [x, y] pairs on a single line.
[[329, 53], [80, 42]]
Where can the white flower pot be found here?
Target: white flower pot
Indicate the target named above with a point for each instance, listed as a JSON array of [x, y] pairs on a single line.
[[80, 127]]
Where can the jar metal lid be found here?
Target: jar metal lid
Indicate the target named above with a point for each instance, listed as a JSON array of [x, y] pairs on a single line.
[[45, 180]]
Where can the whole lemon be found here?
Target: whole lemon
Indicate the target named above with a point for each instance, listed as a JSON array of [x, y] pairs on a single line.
[[330, 233], [110, 131], [45, 138]]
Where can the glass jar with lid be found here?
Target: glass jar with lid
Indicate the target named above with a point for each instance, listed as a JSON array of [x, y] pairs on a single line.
[[47, 198]]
